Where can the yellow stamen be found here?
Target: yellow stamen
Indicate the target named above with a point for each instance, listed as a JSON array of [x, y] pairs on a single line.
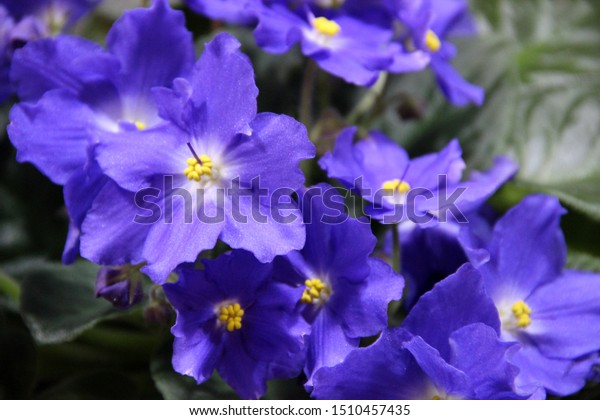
[[432, 41], [315, 292], [396, 186], [231, 316], [522, 313], [325, 26], [140, 125], [196, 170]]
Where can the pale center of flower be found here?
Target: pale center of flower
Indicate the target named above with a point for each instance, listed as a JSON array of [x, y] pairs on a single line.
[[522, 312], [396, 186], [197, 168], [325, 26], [230, 315], [432, 41], [316, 292]]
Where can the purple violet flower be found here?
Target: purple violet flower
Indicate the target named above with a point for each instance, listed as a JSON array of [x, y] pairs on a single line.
[[554, 313], [428, 23], [72, 89], [424, 190], [22, 21], [344, 292], [345, 41], [233, 318], [220, 156], [447, 348]]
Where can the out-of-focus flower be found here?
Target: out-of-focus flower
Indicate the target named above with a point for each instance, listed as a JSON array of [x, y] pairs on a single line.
[[427, 24], [22, 21]]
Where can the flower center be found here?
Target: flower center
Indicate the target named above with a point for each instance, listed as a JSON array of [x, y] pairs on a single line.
[[396, 186], [197, 168], [316, 292], [325, 26], [432, 41], [139, 125], [231, 316], [522, 313]]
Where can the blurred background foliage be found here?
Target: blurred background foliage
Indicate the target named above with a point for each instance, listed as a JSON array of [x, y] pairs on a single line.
[[539, 62]]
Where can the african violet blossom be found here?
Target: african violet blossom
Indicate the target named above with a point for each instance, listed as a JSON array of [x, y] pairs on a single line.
[[428, 23], [554, 313], [344, 292], [447, 348], [350, 42], [423, 189], [72, 89], [22, 21], [213, 169], [48, 17], [233, 318]]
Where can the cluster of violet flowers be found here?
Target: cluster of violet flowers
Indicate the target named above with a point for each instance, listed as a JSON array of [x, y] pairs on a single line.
[[164, 159]]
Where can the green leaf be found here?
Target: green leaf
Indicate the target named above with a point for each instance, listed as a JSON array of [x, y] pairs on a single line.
[[58, 302], [174, 386], [539, 63], [583, 261], [98, 385]]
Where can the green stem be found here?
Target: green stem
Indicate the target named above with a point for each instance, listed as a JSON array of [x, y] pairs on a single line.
[[9, 287], [395, 307], [306, 94], [397, 249], [369, 100]]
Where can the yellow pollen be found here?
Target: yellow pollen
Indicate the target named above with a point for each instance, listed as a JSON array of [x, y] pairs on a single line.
[[231, 316], [436, 397], [522, 312], [196, 169], [140, 125], [315, 291], [325, 26], [396, 186], [432, 41]]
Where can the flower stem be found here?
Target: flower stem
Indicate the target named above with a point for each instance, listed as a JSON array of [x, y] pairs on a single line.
[[9, 287], [370, 100], [306, 94]]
